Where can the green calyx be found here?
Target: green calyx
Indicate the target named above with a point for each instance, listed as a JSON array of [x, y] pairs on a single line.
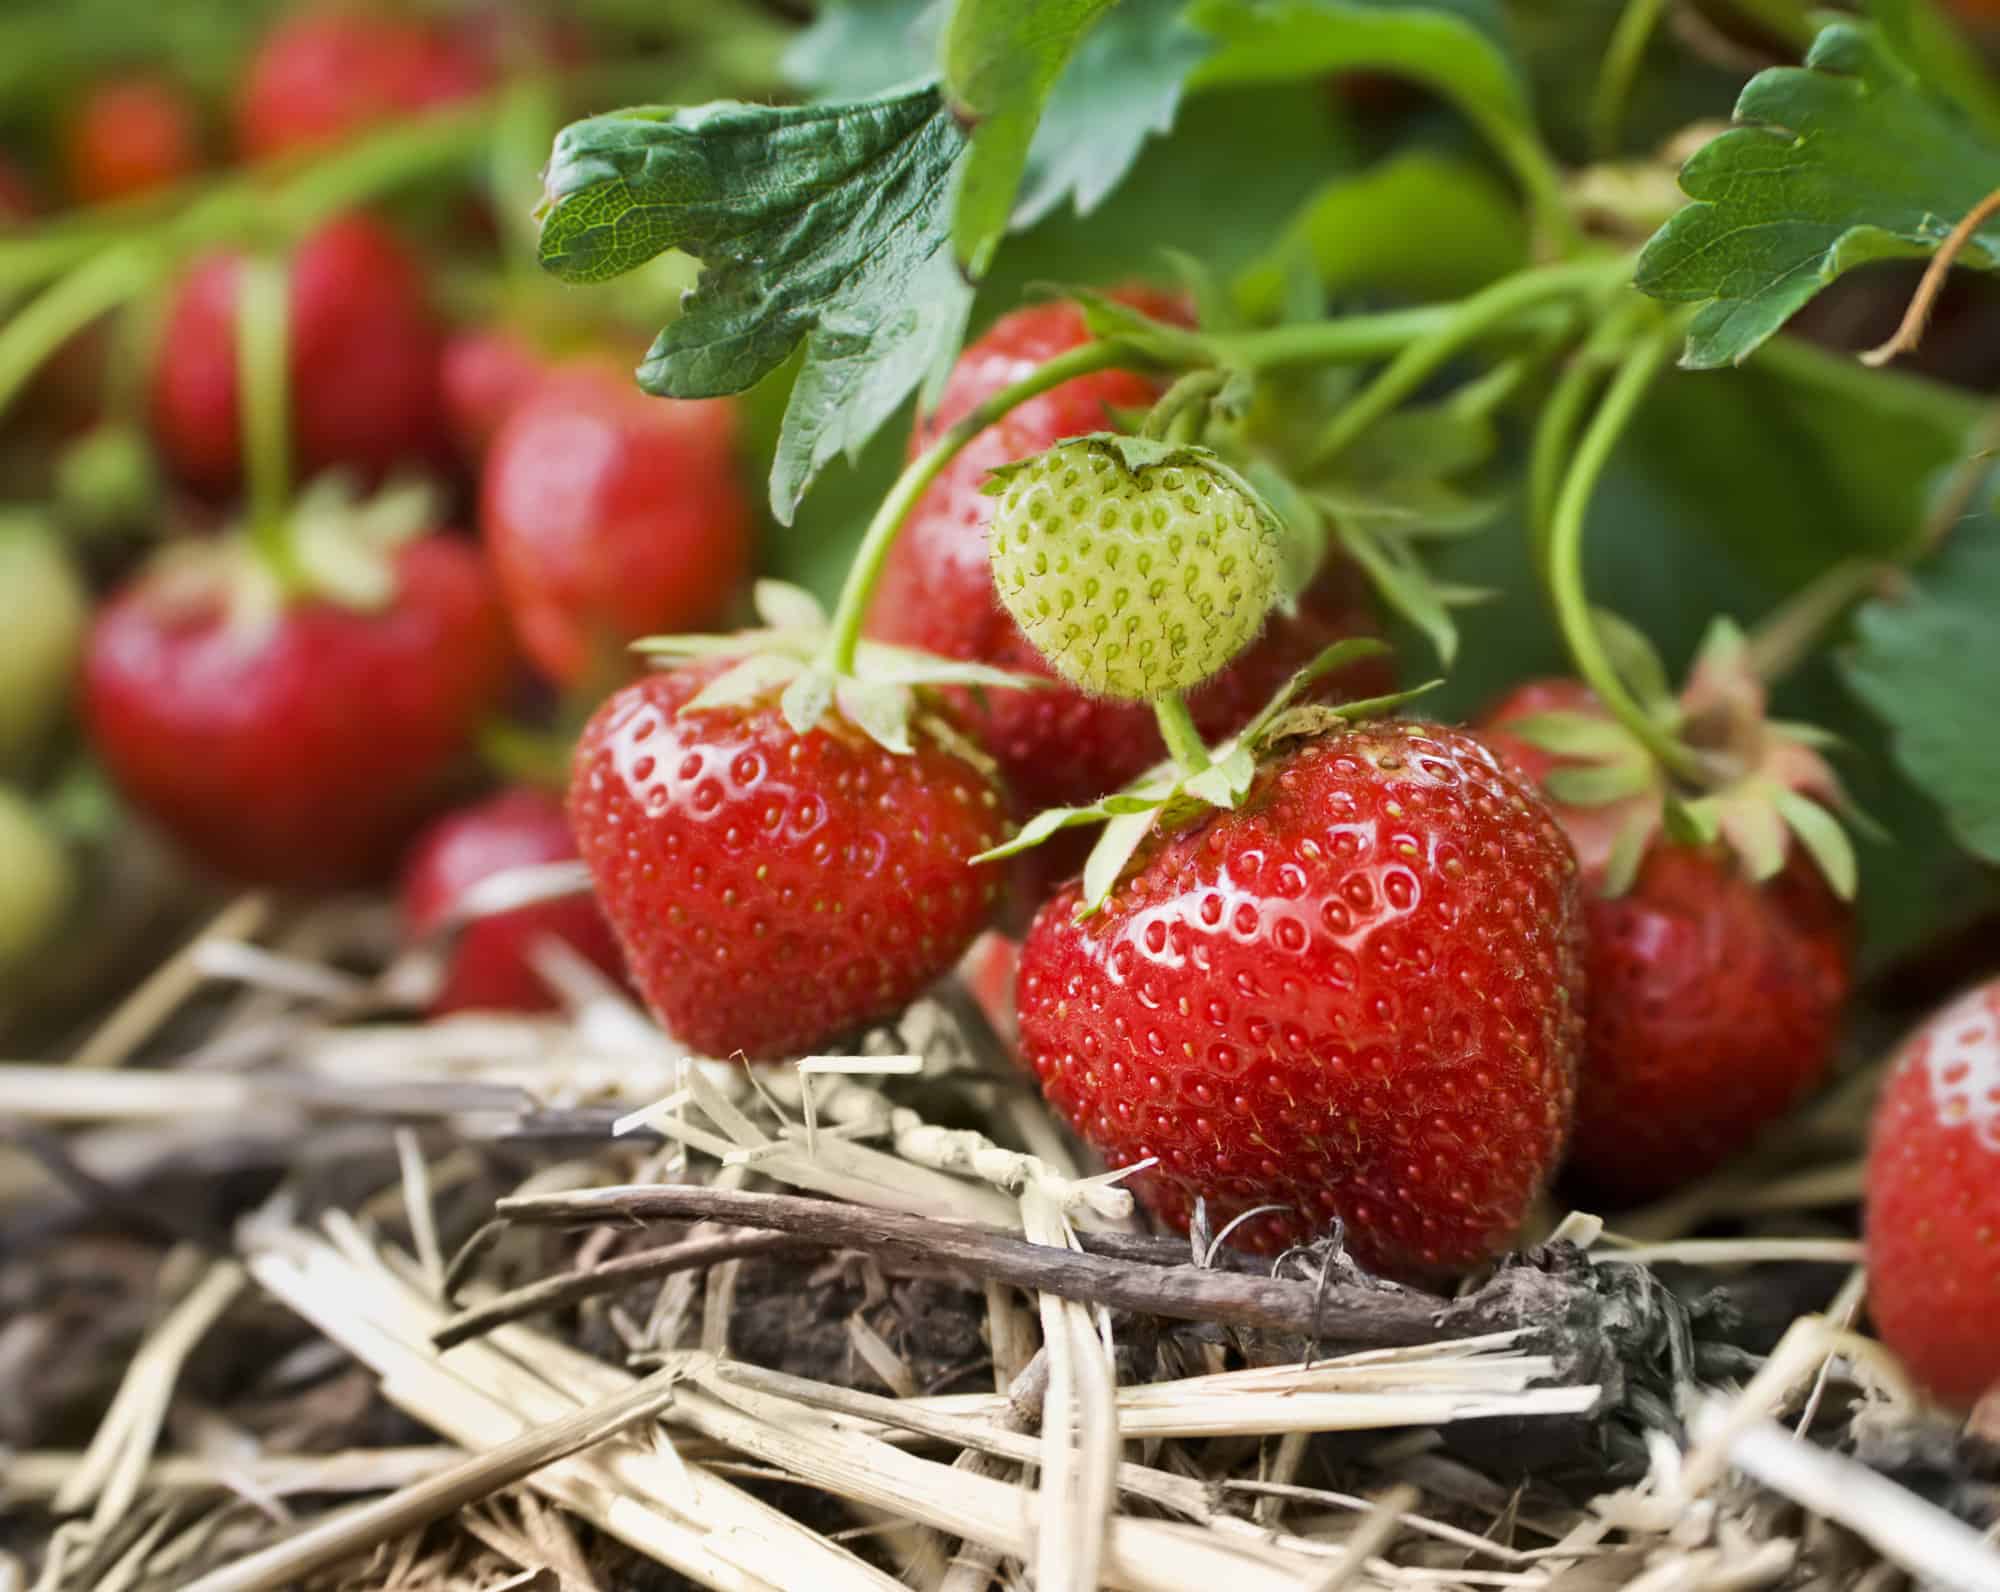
[[1763, 784], [1183, 787], [1138, 568], [882, 693]]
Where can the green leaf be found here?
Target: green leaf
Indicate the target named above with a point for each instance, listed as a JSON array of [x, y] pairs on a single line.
[[856, 48], [1225, 781], [1001, 59], [880, 708], [1046, 823], [1120, 88], [824, 224], [1401, 578], [1457, 48], [1108, 857], [1825, 841], [757, 675], [1923, 663], [1599, 784], [1855, 159], [1422, 223], [783, 606], [1942, 56], [1589, 736]]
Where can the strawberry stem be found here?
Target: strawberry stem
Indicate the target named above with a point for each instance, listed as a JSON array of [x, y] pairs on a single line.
[[1184, 742], [1563, 414], [1622, 59], [1565, 553], [1789, 631], [263, 368], [1468, 321], [844, 632]]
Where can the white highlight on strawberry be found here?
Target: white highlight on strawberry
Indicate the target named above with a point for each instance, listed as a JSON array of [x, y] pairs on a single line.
[[1960, 1048]]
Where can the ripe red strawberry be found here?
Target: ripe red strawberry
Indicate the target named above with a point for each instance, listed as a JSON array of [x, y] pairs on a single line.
[[17, 194], [1057, 747], [301, 745], [1355, 996], [772, 890], [1714, 999], [490, 966], [327, 74], [990, 972], [612, 515], [364, 360], [483, 372], [1933, 1210], [130, 135]]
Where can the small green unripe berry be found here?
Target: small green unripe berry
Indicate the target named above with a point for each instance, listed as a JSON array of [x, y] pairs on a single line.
[[1137, 569]]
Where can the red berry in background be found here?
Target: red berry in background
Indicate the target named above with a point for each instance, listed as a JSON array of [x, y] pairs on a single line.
[[131, 135], [612, 515], [1714, 999], [773, 891], [1933, 1201], [324, 75], [1357, 996], [303, 746], [483, 372], [490, 967], [364, 359], [1057, 747], [990, 971], [17, 195]]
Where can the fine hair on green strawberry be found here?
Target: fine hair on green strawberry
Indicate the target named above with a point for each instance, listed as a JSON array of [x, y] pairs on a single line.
[[1137, 568]]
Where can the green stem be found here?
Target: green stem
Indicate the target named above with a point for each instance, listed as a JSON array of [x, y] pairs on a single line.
[[1622, 58], [123, 268], [263, 368], [1562, 415], [1789, 631], [1184, 742], [1565, 574], [844, 634], [1467, 321], [1515, 141], [66, 306], [1348, 339], [1185, 397]]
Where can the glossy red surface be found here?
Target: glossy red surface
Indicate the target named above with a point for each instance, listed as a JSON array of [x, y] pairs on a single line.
[[773, 891], [1356, 997]]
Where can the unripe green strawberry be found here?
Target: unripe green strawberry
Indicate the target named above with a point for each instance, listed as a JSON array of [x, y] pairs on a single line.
[[1137, 568]]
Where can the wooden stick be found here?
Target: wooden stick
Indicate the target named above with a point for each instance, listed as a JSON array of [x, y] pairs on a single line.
[[1380, 1317], [566, 1288]]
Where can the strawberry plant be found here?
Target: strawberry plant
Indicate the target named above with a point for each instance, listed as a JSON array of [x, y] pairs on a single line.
[[1359, 629]]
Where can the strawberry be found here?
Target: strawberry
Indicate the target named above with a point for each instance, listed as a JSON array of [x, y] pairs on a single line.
[[43, 608], [989, 973], [296, 743], [1136, 568], [1715, 997], [483, 372], [17, 195], [327, 74], [1356, 996], [490, 966], [612, 515], [1058, 747], [1933, 1200], [130, 135], [774, 890], [363, 358]]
